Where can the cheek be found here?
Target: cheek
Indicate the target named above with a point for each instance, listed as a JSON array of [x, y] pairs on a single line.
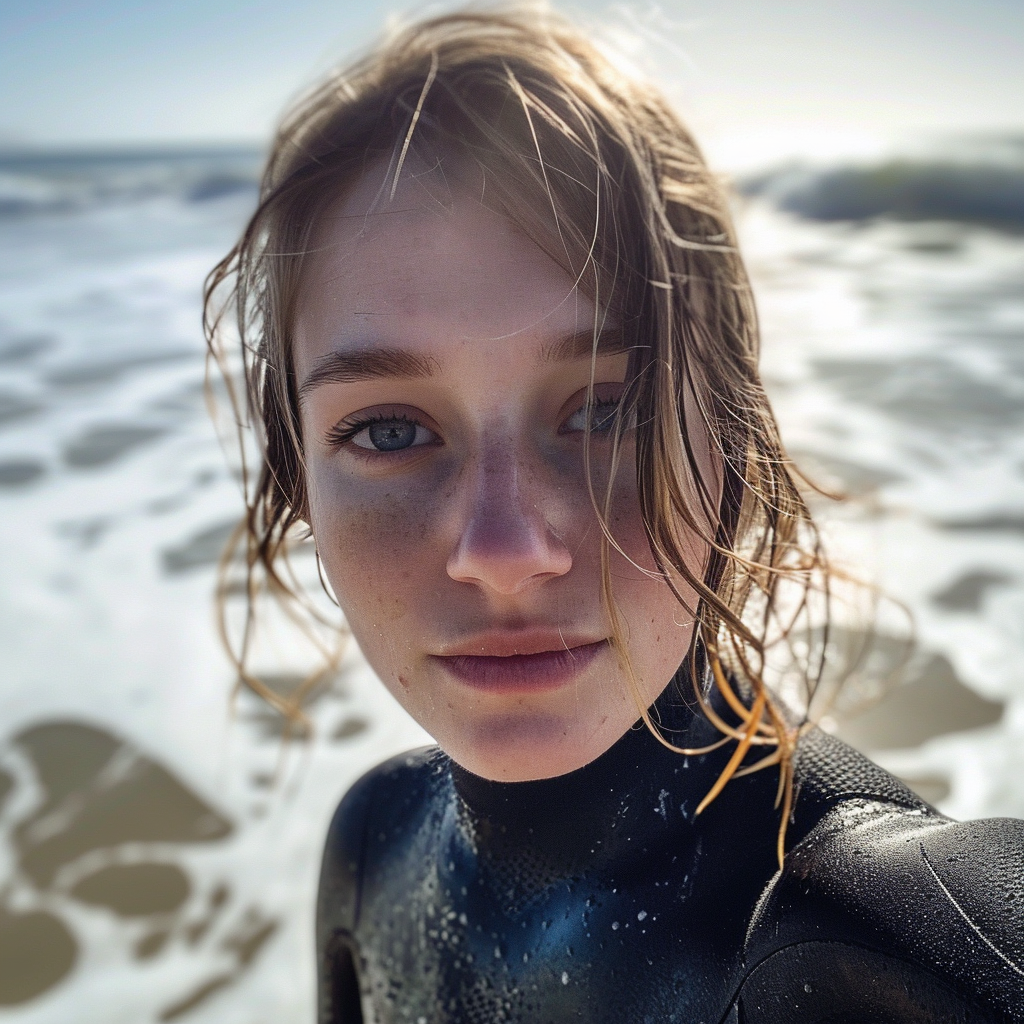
[[628, 529], [375, 543], [659, 627], [626, 524]]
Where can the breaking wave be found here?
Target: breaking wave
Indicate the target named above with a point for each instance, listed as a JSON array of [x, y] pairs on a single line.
[[900, 189], [39, 183]]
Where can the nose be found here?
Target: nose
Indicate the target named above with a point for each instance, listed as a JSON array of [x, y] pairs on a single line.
[[505, 544]]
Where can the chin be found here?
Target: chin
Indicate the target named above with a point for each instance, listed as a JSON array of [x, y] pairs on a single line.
[[527, 747]]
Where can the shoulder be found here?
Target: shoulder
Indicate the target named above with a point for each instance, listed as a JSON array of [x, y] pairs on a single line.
[[881, 887], [386, 797]]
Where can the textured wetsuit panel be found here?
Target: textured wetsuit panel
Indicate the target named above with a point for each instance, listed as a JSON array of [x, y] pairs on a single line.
[[520, 904], [600, 897], [828, 771]]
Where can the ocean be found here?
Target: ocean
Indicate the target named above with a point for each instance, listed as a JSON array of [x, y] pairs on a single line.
[[159, 839]]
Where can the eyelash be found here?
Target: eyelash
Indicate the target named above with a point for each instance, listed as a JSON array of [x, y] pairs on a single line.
[[601, 411], [343, 432]]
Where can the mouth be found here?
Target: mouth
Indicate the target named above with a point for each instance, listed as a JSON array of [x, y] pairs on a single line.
[[513, 672]]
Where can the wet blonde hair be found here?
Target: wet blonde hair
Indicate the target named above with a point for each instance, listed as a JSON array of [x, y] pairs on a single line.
[[594, 167]]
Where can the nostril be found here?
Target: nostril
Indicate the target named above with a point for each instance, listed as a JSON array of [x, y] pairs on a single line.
[[506, 552], [506, 541]]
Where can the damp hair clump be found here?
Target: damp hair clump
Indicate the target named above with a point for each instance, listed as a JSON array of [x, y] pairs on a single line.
[[595, 167]]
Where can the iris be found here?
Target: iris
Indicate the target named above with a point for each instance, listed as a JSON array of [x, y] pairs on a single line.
[[392, 435]]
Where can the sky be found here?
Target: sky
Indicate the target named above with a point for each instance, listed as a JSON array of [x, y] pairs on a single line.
[[758, 80]]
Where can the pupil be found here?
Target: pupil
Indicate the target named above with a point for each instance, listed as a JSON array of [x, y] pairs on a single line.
[[603, 416], [392, 435]]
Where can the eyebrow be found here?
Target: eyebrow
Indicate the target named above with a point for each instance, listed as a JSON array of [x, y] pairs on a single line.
[[375, 363], [610, 341], [366, 364]]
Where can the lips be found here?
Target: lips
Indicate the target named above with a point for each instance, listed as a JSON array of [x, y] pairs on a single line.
[[524, 664]]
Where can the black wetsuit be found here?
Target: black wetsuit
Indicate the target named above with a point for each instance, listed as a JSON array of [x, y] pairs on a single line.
[[598, 896]]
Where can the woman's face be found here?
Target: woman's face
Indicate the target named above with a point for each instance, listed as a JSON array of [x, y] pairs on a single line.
[[443, 362]]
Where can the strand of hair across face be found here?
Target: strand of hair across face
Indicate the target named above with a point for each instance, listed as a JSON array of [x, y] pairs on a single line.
[[776, 732], [754, 730]]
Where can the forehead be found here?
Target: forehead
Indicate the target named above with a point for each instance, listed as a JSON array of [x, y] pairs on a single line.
[[430, 266]]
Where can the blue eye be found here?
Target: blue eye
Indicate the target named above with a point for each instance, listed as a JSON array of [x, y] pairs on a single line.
[[597, 417], [390, 435]]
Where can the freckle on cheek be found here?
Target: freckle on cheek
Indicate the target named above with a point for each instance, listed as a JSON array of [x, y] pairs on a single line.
[[392, 607]]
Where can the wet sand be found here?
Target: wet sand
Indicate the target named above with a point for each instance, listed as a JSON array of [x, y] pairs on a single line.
[[110, 829], [104, 805]]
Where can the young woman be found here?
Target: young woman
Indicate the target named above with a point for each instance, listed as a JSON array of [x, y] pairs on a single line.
[[503, 354]]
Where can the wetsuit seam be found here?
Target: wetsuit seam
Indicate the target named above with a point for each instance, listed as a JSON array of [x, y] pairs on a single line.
[[969, 999], [966, 917]]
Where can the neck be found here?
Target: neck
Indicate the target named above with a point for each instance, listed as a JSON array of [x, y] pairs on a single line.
[[625, 799]]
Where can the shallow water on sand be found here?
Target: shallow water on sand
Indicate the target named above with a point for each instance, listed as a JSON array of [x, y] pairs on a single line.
[[158, 850], [894, 354]]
